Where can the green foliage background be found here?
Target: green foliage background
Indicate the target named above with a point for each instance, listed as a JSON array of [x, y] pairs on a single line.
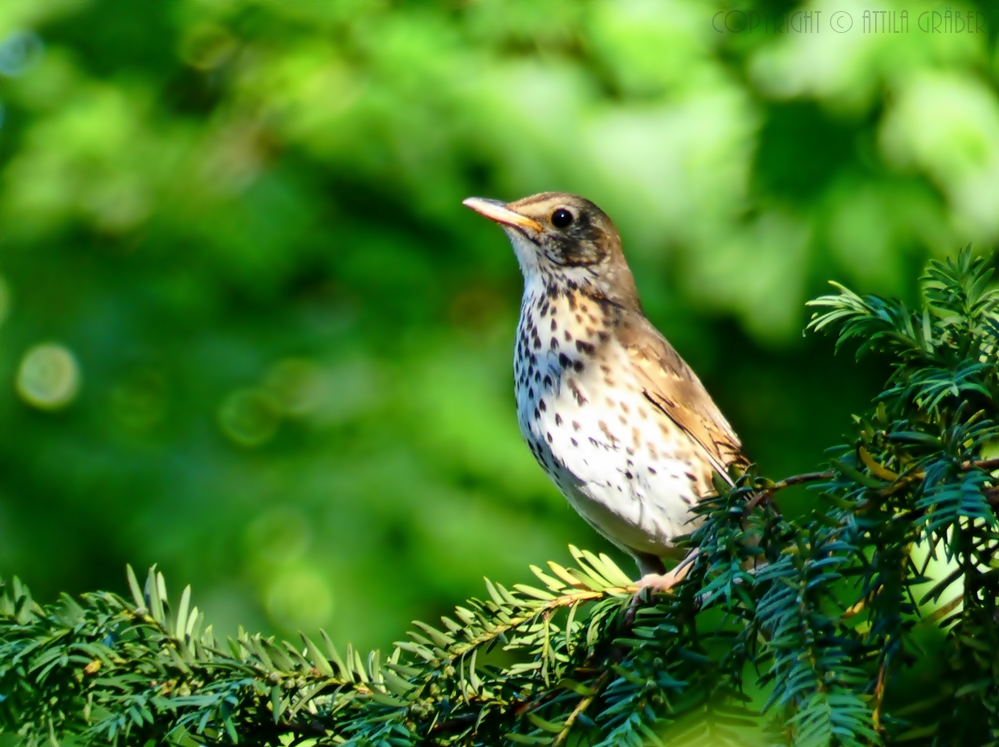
[[242, 222]]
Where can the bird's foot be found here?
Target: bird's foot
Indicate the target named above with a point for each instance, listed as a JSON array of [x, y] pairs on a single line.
[[665, 582], [662, 582], [659, 583]]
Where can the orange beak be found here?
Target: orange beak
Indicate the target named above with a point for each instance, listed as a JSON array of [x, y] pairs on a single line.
[[497, 211]]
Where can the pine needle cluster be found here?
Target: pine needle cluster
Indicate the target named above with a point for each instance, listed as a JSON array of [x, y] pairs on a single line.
[[807, 630]]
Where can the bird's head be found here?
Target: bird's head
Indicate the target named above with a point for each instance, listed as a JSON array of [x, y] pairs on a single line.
[[562, 237]]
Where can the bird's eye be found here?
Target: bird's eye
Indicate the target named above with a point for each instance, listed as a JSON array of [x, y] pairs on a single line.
[[562, 218]]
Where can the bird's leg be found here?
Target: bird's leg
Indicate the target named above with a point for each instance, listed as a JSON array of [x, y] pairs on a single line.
[[656, 578], [666, 581]]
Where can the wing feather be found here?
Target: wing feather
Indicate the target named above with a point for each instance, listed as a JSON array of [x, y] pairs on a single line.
[[677, 394]]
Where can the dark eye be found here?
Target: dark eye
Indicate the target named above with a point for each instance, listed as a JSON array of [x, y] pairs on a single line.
[[562, 218]]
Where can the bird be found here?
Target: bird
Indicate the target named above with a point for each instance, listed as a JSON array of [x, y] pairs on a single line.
[[609, 409]]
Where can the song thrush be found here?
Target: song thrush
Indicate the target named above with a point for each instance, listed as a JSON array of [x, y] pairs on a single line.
[[612, 413]]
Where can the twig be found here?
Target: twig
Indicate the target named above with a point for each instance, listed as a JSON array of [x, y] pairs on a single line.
[[786, 483], [879, 694], [986, 465], [900, 483], [581, 706]]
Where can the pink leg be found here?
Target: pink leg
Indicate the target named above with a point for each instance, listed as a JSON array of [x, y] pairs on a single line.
[[666, 581]]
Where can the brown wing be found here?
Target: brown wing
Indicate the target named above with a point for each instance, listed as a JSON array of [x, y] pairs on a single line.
[[673, 388]]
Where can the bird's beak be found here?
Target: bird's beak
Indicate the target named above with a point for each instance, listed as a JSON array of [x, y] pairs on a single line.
[[497, 211]]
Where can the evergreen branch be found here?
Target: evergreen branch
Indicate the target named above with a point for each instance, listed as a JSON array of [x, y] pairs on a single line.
[[826, 606]]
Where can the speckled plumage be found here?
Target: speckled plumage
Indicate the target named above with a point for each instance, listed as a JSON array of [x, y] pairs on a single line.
[[614, 416]]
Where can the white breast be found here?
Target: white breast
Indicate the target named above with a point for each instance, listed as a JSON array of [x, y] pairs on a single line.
[[624, 469]]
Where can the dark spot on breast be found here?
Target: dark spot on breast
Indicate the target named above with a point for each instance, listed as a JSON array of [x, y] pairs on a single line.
[[547, 381], [537, 415], [623, 419], [584, 347], [625, 408], [574, 442], [542, 405], [575, 425], [568, 336], [590, 331], [574, 387], [553, 345], [537, 376], [530, 392], [558, 419], [579, 318], [549, 435], [604, 336], [544, 309], [554, 325], [572, 301], [537, 343], [563, 360], [594, 441], [578, 366], [652, 470], [628, 475]]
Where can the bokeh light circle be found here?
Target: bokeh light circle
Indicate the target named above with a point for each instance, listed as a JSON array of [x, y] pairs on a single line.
[[19, 52], [297, 385], [48, 377], [300, 599], [249, 417]]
